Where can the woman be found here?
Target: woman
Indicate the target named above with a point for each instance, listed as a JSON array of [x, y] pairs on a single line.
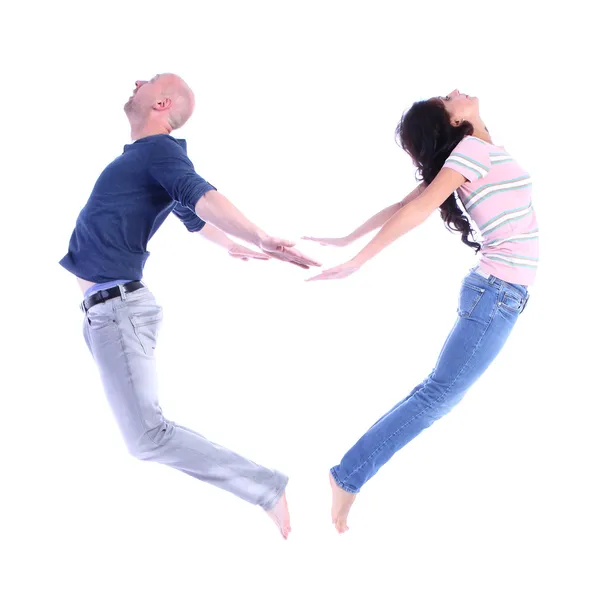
[[455, 157]]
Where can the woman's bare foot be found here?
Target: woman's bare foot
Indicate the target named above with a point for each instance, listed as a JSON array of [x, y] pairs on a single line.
[[340, 507], [281, 516]]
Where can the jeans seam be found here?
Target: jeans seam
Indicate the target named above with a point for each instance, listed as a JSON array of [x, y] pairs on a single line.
[[130, 381], [128, 370], [211, 459], [449, 387]]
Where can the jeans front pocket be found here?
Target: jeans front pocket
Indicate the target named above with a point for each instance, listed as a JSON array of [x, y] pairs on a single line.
[[99, 316], [146, 321], [512, 303]]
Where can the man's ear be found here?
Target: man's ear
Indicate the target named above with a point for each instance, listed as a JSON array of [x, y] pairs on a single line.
[[163, 104]]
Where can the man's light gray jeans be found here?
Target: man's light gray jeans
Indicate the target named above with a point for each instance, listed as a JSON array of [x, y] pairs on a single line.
[[121, 335]]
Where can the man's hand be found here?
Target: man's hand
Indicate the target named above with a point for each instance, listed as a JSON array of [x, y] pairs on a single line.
[[284, 250], [245, 254], [216, 236]]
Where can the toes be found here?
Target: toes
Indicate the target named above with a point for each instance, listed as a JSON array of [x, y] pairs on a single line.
[[341, 526], [285, 530]]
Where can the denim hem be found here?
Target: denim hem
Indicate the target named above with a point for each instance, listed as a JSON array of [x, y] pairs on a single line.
[[268, 505], [340, 484]]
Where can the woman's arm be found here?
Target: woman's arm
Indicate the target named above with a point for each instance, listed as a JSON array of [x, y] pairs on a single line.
[[373, 223], [412, 214]]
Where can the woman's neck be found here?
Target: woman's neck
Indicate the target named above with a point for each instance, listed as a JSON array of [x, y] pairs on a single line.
[[481, 131]]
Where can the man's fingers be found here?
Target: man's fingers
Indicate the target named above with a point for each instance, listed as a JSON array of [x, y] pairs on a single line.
[[296, 258], [246, 253], [301, 265], [276, 242], [288, 257], [299, 257]]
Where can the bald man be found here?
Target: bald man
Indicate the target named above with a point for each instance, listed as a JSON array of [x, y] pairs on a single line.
[[107, 252]]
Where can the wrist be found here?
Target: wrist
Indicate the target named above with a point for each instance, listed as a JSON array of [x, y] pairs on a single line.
[[360, 259], [258, 237]]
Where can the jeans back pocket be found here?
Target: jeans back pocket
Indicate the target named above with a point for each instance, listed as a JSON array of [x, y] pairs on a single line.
[[470, 295], [146, 322]]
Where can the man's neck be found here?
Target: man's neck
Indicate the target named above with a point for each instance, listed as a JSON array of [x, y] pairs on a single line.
[[142, 131]]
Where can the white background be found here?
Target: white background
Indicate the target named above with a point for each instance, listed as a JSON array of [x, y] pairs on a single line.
[[296, 109]]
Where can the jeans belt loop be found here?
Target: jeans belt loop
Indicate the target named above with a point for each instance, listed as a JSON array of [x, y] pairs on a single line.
[[122, 290]]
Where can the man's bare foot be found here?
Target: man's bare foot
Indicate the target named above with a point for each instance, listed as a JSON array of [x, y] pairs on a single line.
[[340, 507], [281, 516]]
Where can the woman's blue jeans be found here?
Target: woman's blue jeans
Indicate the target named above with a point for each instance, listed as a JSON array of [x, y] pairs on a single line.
[[488, 309]]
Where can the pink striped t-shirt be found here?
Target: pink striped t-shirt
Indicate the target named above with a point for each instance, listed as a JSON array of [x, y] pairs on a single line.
[[497, 197]]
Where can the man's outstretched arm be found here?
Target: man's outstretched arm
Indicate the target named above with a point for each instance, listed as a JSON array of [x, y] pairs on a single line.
[[174, 171]]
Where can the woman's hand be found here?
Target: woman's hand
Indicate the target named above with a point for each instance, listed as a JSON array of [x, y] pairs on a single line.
[[338, 242], [339, 272]]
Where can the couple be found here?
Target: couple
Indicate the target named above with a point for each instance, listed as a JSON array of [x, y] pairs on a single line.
[[456, 160]]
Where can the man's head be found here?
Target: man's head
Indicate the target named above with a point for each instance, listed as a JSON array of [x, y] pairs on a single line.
[[164, 101]]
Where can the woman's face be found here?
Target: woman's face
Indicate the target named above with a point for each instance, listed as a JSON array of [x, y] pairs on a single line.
[[460, 107]]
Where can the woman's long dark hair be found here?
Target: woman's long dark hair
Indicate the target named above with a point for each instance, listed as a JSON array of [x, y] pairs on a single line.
[[425, 132]]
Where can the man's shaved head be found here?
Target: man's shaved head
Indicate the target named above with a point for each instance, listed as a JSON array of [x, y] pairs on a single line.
[[164, 100], [182, 99]]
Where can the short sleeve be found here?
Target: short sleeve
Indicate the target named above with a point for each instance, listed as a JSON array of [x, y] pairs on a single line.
[[188, 217], [471, 158], [170, 166]]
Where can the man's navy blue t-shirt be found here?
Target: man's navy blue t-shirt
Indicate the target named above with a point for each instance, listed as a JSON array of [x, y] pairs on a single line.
[[131, 199]]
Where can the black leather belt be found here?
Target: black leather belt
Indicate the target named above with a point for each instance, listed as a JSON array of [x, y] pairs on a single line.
[[113, 292]]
